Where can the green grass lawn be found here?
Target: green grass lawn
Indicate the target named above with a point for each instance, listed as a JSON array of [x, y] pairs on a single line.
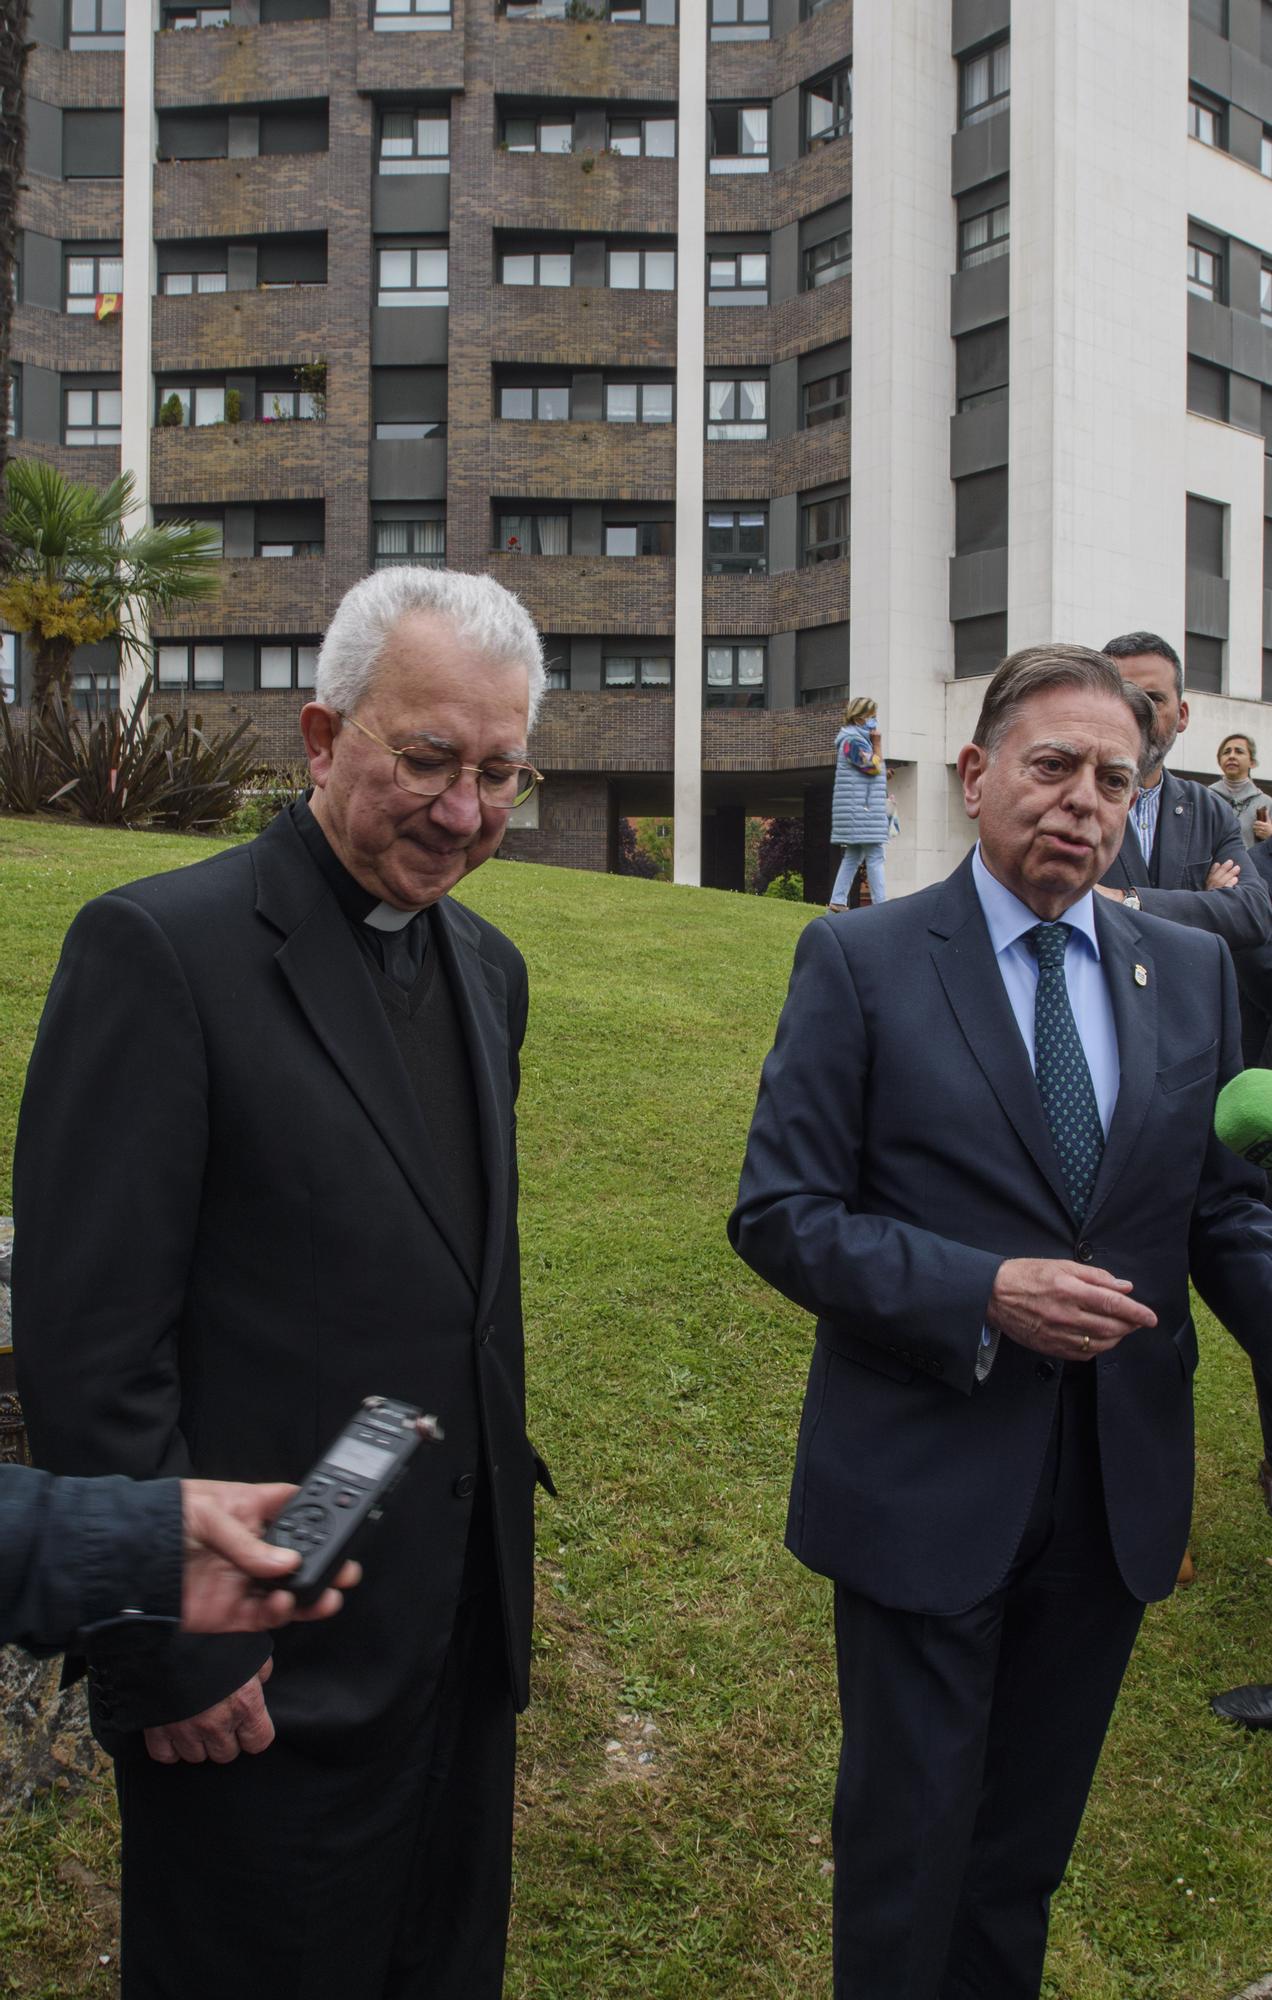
[[665, 1383]]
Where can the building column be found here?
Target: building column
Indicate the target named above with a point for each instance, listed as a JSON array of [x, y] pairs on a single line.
[[724, 848], [1098, 326], [136, 377], [904, 112], [819, 873], [691, 274]]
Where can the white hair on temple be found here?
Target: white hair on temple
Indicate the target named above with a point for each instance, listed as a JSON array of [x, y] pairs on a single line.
[[483, 613]]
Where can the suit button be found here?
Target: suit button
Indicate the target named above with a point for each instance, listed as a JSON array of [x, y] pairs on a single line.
[[1044, 1370], [1083, 1252], [464, 1485]]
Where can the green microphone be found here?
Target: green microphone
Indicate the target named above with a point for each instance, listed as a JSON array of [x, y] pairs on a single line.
[[1243, 1115]]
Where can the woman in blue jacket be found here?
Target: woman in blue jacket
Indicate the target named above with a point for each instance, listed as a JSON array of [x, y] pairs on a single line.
[[859, 809]]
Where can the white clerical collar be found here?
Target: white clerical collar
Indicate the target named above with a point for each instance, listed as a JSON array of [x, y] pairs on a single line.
[[385, 918]]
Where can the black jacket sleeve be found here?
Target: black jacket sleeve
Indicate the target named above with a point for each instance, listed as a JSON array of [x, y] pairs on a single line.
[[86, 1554], [1241, 916]]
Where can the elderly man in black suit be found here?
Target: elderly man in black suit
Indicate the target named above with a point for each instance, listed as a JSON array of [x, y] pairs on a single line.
[[275, 1092], [990, 1178]]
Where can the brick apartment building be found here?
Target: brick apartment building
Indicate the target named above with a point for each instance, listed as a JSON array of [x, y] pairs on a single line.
[[569, 292]]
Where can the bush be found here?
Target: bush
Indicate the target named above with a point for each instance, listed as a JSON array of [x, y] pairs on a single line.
[[781, 852], [116, 770], [268, 792], [233, 406], [170, 414], [790, 888]]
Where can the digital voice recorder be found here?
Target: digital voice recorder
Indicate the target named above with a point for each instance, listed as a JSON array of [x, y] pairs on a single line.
[[347, 1489]]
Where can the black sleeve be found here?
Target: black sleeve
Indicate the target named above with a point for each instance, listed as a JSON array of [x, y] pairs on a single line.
[[86, 1553]]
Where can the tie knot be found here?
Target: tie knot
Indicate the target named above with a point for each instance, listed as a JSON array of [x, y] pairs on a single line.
[[1049, 943]]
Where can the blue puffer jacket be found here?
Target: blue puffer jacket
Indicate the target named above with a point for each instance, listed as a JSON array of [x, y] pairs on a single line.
[[859, 809]]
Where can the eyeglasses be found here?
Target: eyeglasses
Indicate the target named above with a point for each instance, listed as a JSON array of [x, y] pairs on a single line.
[[428, 772]]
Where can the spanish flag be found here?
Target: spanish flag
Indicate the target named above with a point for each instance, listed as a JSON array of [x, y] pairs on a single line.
[[108, 303]]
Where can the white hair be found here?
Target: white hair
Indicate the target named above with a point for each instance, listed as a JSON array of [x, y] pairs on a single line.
[[482, 612]]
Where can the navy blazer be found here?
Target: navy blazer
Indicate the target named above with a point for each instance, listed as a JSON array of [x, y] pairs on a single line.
[[1195, 827], [899, 1153]]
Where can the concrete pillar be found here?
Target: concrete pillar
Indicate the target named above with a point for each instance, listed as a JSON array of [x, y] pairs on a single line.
[[724, 848], [691, 273], [819, 872], [136, 378]]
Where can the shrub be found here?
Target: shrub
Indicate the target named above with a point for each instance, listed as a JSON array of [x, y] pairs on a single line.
[[170, 413], [781, 851], [233, 406], [268, 792], [23, 783], [790, 888]]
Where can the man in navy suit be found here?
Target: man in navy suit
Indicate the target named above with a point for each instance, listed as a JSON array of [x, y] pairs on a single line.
[[983, 1157]]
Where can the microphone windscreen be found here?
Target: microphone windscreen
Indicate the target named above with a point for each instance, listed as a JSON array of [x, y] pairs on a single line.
[[1243, 1115]]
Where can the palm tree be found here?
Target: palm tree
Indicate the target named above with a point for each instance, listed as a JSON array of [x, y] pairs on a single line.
[[71, 570]]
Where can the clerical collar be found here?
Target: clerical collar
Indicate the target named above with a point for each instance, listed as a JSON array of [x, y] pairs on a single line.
[[358, 904]]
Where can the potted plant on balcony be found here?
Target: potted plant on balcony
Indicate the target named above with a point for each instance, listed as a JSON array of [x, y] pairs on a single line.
[[171, 416]]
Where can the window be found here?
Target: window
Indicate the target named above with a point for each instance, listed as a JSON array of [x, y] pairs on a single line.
[[826, 400], [93, 687], [807, 696], [1205, 272], [182, 284], [415, 275], [641, 270], [193, 665], [807, 8], [280, 403], [13, 426], [8, 667], [740, 280], [983, 237], [535, 10], [286, 663], [414, 142], [737, 409], [648, 13], [650, 138], [1208, 390], [1265, 153], [735, 676], [196, 17], [93, 416], [739, 138], [422, 542], [737, 542], [1265, 294], [88, 275], [824, 262], [92, 145], [984, 83], [640, 538], [199, 406], [535, 267], [406, 14], [740, 20], [544, 403], [825, 529], [95, 24], [828, 108], [639, 402], [273, 550], [1203, 662], [637, 670], [552, 134], [533, 534], [1205, 119]]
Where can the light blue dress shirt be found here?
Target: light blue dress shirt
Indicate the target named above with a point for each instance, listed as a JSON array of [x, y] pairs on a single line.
[[1145, 814], [1008, 920]]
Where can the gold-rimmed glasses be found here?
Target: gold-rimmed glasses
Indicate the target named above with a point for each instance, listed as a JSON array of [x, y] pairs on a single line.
[[428, 770]]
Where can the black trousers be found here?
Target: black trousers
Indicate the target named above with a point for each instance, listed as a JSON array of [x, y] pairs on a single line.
[[280, 1878], [969, 1747]]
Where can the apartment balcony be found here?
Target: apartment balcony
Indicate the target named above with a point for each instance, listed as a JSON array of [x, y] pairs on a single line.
[[585, 60], [584, 326], [592, 593], [276, 196], [787, 600], [745, 71], [242, 65], [758, 334], [583, 191], [431, 60], [88, 79], [583, 461], [265, 594], [768, 201], [238, 462], [634, 731], [92, 465], [260, 329], [72, 343], [71, 211], [760, 469]]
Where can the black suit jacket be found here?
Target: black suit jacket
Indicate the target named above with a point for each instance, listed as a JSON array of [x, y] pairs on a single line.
[[899, 1153], [1195, 827], [231, 1226], [85, 1552]]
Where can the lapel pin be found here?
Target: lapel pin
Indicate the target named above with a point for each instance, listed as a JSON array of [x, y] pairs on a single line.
[[1141, 977], [1179, 812]]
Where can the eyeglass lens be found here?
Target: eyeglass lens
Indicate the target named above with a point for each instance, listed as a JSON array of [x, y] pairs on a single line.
[[502, 785]]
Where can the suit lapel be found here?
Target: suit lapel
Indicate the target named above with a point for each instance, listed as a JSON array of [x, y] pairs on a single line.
[[323, 966], [966, 966], [1129, 868], [1174, 832], [1134, 1003], [479, 1000]]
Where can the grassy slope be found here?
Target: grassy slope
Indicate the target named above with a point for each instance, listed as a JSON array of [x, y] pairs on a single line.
[[665, 1384]]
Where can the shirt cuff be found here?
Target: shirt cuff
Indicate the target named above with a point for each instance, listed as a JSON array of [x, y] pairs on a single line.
[[988, 1352]]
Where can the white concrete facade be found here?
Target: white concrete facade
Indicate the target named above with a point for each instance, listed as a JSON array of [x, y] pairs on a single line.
[[136, 380], [691, 305]]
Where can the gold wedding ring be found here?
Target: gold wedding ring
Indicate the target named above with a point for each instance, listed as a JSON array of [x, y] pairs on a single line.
[[1086, 1343]]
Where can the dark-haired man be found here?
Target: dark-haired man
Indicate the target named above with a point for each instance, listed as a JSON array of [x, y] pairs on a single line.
[[988, 1179]]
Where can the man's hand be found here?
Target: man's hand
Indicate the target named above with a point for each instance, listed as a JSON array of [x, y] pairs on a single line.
[[1072, 1311], [240, 1722], [1114, 895], [1223, 875], [225, 1560]]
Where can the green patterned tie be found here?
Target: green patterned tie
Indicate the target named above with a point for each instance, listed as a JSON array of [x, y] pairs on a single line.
[[1064, 1081]]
